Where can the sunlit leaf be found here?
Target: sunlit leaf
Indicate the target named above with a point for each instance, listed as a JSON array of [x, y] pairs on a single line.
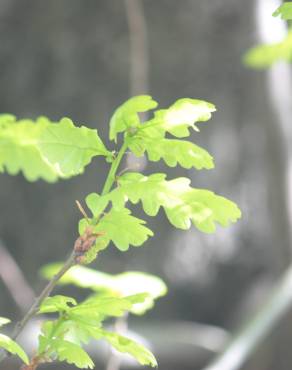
[[133, 230], [183, 204], [107, 305], [126, 345], [122, 285], [9, 345], [284, 11], [265, 55], [127, 114], [68, 148], [45, 149], [173, 152], [72, 354], [180, 117]]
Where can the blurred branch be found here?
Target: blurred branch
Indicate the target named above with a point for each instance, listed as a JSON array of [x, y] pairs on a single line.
[[14, 279], [250, 336], [45, 293], [139, 59]]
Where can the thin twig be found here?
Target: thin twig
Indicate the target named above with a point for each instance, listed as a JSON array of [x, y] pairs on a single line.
[[82, 210], [45, 293]]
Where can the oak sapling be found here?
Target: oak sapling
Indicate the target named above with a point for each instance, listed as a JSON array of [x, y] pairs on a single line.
[[59, 150]]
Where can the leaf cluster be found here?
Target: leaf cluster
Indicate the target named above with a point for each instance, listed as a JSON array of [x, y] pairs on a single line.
[[77, 324], [45, 149], [119, 285], [59, 150]]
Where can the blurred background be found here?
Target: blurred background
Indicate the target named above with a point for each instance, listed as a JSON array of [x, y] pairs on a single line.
[[82, 59]]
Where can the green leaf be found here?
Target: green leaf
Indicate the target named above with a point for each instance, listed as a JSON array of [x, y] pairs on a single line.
[[264, 56], [68, 148], [204, 209], [173, 152], [179, 117], [123, 229], [126, 345], [72, 353], [9, 345], [19, 151], [183, 205], [284, 11], [4, 321], [95, 203], [98, 307], [126, 116], [57, 303], [79, 330], [121, 285], [45, 149]]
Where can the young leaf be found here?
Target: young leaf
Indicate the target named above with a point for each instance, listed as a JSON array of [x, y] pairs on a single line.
[[72, 353], [98, 307], [173, 152], [265, 55], [121, 285], [183, 205], [180, 117], [57, 303], [204, 209], [126, 345], [19, 152], [9, 345], [126, 115], [45, 149], [96, 203], [123, 229], [68, 148], [284, 11], [78, 331]]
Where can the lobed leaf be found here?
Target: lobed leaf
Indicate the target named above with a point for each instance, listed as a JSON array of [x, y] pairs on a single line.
[[68, 148], [72, 353], [126, 345], [123, 229], [45, 149], [121, 285], [265, 55], [183, 205], [179, 118], [126, 115], [107, 305], [284, 11], [11, 346], [57, 303], [173, 152]]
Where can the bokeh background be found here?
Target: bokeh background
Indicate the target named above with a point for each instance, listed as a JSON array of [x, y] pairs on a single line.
[[80, 59]]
